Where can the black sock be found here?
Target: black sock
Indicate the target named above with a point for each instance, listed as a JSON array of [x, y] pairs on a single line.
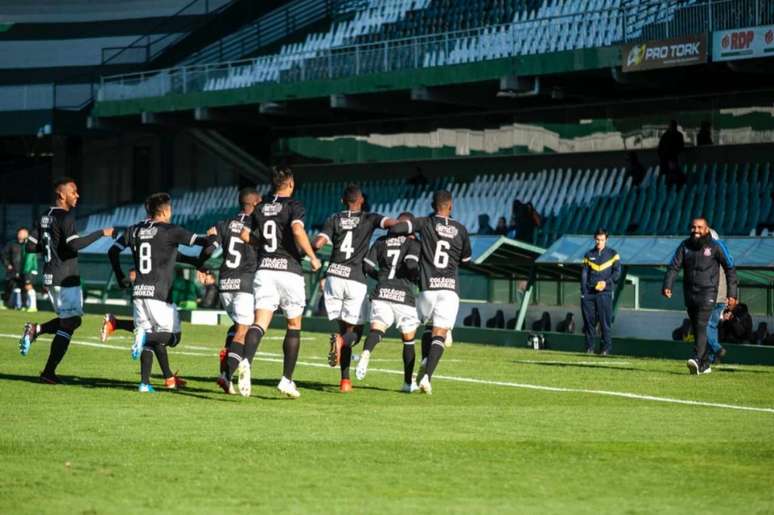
[[436, 351], [58, 349], [146, 362], [350, 339], [358, 330], [125, 324], [374, 337], [252, 341], [409, 356], [427, 340], [236, 352], [291, 347], [163, 358], [229, 338], [49, 327], [345, 361]]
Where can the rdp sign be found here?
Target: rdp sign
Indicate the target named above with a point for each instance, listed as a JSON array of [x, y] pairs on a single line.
[[748, 43], [650, 55]]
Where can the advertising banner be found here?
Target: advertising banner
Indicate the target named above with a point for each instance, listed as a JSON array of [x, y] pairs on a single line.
[[665, 53], [748, 43]]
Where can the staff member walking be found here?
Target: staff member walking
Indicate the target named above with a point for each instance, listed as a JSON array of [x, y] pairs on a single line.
[[600, 274], [701, 257]]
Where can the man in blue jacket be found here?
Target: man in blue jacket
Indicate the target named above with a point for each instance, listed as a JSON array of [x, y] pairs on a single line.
[[601, 272]]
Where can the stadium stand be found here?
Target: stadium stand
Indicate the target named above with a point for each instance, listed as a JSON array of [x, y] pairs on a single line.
[[569, 201], [405, 34]]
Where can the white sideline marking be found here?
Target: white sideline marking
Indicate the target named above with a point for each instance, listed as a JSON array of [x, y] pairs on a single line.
[[471, 380], [601, 363]]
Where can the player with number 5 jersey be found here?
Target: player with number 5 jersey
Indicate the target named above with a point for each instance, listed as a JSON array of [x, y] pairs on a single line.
[[235, 285], [445, 245]]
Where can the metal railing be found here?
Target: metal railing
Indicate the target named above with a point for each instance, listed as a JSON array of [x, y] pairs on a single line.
[[588, 29]]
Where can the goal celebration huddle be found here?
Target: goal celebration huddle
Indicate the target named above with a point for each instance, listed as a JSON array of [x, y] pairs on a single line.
[[414, 261]]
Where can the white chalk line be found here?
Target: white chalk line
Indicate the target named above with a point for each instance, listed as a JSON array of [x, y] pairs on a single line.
[[471, 380]]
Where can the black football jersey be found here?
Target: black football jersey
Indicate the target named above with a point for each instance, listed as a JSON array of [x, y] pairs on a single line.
[[445, 244], [54, 231], [272, 224], [240, 261], [350, 233], [154, 250], [389, 254]]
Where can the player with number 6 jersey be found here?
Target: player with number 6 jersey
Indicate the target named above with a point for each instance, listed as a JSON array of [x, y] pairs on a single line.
[[345, 290], [445, 245]]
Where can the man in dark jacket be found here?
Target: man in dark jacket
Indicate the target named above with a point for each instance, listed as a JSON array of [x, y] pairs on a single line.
[[701, 257], [13, 261], [600, 274]]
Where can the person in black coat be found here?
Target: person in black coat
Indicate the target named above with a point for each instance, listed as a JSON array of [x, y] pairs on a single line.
[[701, 258]]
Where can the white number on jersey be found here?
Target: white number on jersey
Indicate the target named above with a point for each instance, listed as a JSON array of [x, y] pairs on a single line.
[[235, 257], [346, 245], [393, 255], [270, 235], [145, 258], [47, 247], [441, 257]]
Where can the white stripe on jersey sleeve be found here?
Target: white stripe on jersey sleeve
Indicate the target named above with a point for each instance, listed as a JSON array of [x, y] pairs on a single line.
[[33, 240], [297, 222], [193, 239], [410, 226], [369, 261], [465, 260], [412, 257], [381, 222], [327, 238], [73, 237]]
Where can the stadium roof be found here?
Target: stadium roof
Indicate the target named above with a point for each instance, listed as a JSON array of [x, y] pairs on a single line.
[[502, 256]]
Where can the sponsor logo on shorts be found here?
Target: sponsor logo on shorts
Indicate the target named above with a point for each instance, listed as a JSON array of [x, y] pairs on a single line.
[[392, 295], [274, 263], [396, 241], [339, 270], [230, 284], [443, 283], [144, 290], [446, 231]]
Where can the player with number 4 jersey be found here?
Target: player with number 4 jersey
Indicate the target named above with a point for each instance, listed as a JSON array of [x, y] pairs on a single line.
[[349, 232], [445, 245]]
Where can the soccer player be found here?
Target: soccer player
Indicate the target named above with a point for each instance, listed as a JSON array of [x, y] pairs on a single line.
[[345, 289], [445, 245], [392, 301], [56, 238], [154, 249], [278, 232], [235, 284]]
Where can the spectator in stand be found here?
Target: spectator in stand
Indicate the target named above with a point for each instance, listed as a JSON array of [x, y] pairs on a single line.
[[13, 262], [736, 325], [670, 146], [184, 291], [502, 227], [634, 168], [527, 221], [483, 225], [209, 298], [704, 137]]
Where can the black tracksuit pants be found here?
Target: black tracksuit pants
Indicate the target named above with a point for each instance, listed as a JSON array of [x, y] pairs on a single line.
[[699, 314]]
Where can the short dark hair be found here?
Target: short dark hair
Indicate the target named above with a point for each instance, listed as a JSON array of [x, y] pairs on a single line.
[[441, 198], [61, 181], [351, 194], [601, 231], [22, 228], [701, 217], [245, 193], [154, 203], [280, 175]]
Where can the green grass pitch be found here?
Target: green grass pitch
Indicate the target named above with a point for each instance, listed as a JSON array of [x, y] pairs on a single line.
[[609, 437]]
